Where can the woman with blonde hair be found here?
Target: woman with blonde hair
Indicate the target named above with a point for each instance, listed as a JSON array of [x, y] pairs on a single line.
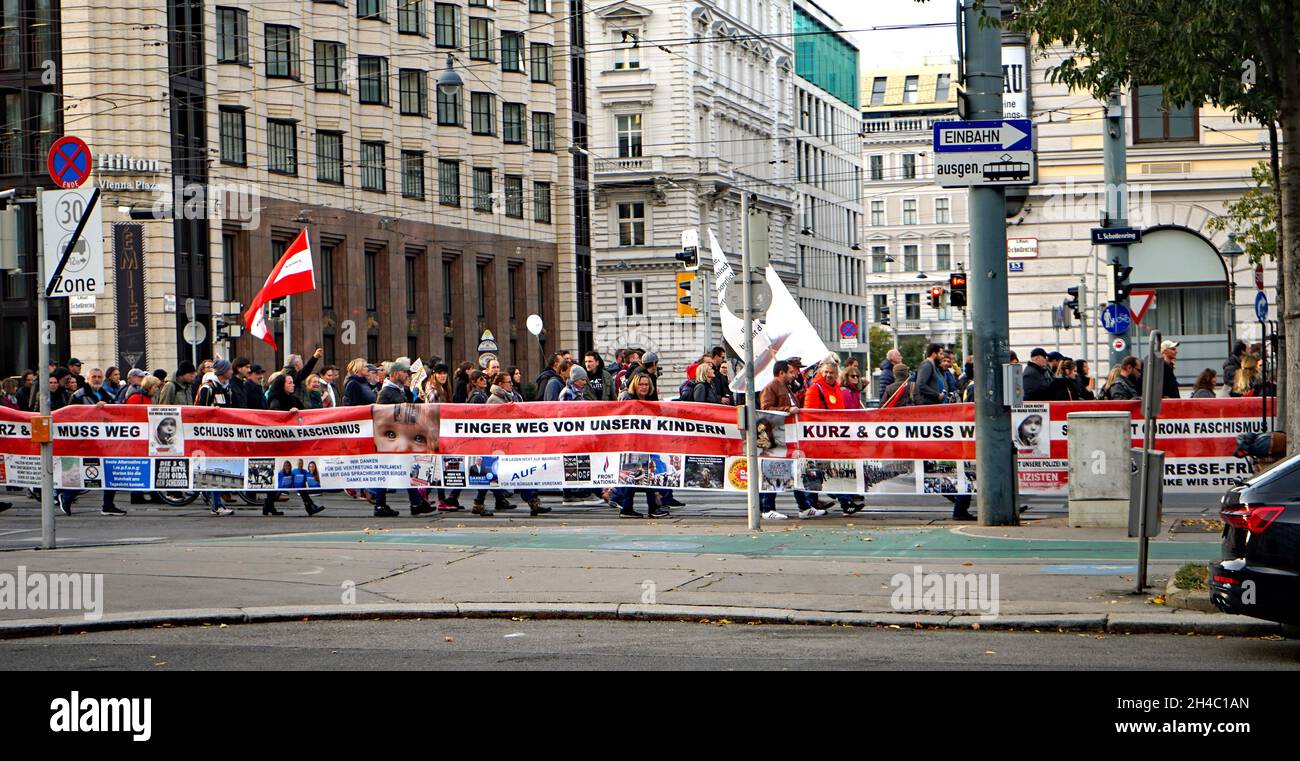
[[1246, 382], [357, 390]]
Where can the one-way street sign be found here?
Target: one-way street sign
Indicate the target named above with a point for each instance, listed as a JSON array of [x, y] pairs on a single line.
[[1001, 135]]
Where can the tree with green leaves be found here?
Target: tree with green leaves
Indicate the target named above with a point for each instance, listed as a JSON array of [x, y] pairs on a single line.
[[1252, 219], [1240, 56]]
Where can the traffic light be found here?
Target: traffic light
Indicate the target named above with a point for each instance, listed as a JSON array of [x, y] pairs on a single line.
[[1072, 303], [685, 286], [689, 257], [1120, 275], [277, 309], [936, 296], [957, 289], [884, 316]]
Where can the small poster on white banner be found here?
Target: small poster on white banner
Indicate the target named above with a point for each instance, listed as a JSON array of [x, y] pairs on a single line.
[[166, 435], [1031, 430]]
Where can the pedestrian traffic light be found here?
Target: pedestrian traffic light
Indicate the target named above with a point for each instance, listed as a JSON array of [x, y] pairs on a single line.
[[689, 257], [1120, 274], [277, 309], [957, 289], [685, 286], [936, 296], [884, 316], [1072, 303]]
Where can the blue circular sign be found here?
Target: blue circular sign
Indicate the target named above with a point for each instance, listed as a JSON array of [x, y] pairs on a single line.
[[848, 329], [1261, 306], [69, 162], [1116, 319]]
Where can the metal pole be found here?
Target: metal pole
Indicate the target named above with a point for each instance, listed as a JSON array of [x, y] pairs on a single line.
[[1148, 442], [1115, 155], [708, 311], [995, 459], [1083, 319], [288, 330], [751, 406], [43, 381]]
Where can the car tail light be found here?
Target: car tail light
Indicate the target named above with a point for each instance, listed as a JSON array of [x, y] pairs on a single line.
[[1260, 517], [1234, 516], [1225, 580]]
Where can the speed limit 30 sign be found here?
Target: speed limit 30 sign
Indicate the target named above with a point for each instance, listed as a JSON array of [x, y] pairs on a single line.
[[72, 224]]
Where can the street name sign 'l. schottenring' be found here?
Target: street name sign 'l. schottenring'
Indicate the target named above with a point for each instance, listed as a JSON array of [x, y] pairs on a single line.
[[998, 152]]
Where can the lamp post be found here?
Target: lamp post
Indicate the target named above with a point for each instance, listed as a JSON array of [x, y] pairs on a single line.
[[1231, 252]]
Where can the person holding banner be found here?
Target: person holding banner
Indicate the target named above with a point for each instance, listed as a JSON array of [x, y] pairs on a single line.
[[282, 399], [216, 392], [403, 424]]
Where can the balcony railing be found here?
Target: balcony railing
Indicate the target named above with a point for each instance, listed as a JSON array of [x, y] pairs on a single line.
[[904, 124]]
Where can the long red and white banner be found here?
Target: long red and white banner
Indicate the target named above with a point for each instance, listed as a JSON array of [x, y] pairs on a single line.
[[676, 445]]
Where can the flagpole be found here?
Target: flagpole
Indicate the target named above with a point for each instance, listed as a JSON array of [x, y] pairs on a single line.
[[288, 330]]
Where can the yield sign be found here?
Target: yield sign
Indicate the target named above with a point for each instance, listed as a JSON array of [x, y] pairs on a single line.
[[1138, 302]]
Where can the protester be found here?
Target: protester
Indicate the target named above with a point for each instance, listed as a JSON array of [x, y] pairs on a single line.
[[824, 393], [1169, 350], [851, 382], [329, 388], [1128, 382], [892, 357], [393, 393], [1247, 381], [313, 399], [180, 389], [1233, 363], [600, 383], [113, 382], [704, 391], [901, 391], [357, 391], [94, 391], [215, 392], [281, 398], [1038, 377], [1204, 386], [145, 392], [929, 377], [9, 394], [640, 388], [74, 367]]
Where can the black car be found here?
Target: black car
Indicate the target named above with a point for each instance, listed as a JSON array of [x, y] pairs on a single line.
[[1259, 574]]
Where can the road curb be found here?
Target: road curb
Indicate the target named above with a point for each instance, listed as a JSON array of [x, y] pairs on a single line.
[[1126, 623]]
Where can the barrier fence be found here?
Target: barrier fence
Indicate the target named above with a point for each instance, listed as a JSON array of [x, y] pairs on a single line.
[[677, 445]]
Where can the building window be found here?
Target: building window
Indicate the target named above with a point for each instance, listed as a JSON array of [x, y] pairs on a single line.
[[329, 157], [448, 281], [11, 130], [446, 25], [631, 224], [329, 57], [480, 3], [512, 123], [233, 149], [909, 166], [372, 280], [413, 92], [543, 131], [542, 202], [411, 283], [633, 298], [878, 256], [514, 192], [372, 79], [232, 34], [375, 9], [909, 89], [911, 258], [481, 289], [912, 303], [282, 145], [628, 127], [410, 17], [283, 58], [413, 174], [539, 57], [512, 51], [879, 303], [451, 106], [878, 91], [512, 297], [909, 211], [877, 213], [480, 39], [942, 211], [372, 166], [482, 189], [877, 167], [483, 113], [1155, 121], [326, 275], [941, 87], [943, 256], [627, 50], [448, 182], [538, 6], [229, 242]]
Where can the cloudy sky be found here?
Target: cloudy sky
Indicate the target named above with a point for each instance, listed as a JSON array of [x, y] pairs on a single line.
[[893, 48]]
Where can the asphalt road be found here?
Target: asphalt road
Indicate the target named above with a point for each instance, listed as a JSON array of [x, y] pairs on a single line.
[[615, 645], [20, 526]]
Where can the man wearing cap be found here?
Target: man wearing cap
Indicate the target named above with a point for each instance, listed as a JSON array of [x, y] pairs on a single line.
[[392, 392], [134, 379], [180, 389], [74, 365], [1169, 350], [1038, 377]]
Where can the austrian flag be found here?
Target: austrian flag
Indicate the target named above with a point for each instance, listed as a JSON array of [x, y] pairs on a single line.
[[292, 274]]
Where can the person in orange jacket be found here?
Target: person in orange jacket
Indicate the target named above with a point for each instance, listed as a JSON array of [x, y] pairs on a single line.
[[825, 392]]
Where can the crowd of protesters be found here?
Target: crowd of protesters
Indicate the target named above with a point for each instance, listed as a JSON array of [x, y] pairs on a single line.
[[631, 375]]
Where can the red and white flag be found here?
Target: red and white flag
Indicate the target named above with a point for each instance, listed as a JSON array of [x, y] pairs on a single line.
[[292, 274]]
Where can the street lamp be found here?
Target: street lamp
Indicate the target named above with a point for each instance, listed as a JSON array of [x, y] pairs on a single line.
[[1231, 252], [449, 81]]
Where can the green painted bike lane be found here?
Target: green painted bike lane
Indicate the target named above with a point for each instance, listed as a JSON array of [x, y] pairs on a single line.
[[900, 543]]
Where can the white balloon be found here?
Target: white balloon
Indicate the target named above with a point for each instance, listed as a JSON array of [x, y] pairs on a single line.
[[534, 324]]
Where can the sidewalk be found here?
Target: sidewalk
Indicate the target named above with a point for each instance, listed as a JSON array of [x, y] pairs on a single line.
[[1048, 576]]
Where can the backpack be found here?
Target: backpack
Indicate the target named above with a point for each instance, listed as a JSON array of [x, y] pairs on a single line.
[[686, 392]]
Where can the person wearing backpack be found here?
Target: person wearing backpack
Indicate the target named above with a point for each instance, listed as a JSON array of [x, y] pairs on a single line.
[[180, 389], [901, 391]]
